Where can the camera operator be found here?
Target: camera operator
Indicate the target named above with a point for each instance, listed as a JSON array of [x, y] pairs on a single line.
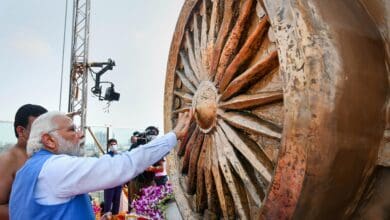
[[140, 138], [134, 140], [147, 177], [159, 168]]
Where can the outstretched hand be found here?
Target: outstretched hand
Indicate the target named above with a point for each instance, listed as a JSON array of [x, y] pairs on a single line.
[[183, 123]]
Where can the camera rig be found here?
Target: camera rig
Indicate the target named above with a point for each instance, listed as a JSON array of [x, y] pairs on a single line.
[[110, 94]]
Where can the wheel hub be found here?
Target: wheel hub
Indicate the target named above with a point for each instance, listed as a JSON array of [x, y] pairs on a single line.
[[204, 106]]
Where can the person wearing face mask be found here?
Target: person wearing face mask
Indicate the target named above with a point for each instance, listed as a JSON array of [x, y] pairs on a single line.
[[112, 196], [55, 180], [112, 147]]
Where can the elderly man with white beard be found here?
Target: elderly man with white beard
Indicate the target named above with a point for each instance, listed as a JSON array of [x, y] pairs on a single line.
[[55, 180]]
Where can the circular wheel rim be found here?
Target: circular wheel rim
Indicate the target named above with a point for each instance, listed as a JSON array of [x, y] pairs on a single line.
[[233, 85]]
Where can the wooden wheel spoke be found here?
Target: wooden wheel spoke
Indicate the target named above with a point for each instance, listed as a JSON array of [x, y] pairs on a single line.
[[213, 22], [224, 196], [222, 35], [186, 82], [187, 69], [212, 196], [197, 49], [258, 159], [185, 140], [185, 96], [238, 195], [251, 75], [250, 101], [201, 197], [191, 56], [195, 140], [211, 38], [249, 48], [203, 36], [204, 42], [230, 47], [193, 162], [183, 109], [228, 150], [251, 124]]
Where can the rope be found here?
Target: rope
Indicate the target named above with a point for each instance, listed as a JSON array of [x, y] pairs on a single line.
[[63, 55]]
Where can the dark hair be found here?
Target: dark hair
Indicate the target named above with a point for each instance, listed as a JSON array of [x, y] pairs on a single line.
[[152, 129], [23, 114], [111, 140]]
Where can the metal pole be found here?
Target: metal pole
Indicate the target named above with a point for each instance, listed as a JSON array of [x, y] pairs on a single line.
[[96, 140]]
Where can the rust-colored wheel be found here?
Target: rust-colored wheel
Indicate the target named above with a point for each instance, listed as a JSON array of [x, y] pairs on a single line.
[[278, 108]]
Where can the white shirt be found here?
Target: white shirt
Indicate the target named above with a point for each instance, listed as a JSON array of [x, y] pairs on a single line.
[[62, 177]]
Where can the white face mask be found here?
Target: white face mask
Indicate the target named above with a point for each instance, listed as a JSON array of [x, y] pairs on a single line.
[[114, 147]]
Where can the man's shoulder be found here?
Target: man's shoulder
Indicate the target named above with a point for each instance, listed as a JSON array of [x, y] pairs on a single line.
[[13, 158], [9, 155], [9, 162]]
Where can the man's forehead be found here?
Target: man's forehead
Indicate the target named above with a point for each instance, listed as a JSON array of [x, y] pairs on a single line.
[[62, 120]]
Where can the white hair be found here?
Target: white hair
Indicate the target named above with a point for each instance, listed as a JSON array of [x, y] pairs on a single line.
[[42, 125]]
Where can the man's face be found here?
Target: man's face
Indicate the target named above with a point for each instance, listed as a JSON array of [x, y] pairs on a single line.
[[69, 140], [133, 139], [113, 146]]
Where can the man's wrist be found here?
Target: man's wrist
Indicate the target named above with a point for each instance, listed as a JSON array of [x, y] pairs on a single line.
[[172, 138], [176, 134]]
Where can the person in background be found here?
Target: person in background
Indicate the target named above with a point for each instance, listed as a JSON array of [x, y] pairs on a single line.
[[152, 132], [59, 177], [112, 147], [160, 173], [14, 158], [134, 140], [112, 196], [159, 168], [146, 178]]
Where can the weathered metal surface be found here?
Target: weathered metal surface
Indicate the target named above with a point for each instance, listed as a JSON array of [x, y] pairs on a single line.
[[379, 11], [290, 99], [324, 76]]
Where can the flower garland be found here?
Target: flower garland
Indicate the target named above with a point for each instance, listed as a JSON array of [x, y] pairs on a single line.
[[152, 201]]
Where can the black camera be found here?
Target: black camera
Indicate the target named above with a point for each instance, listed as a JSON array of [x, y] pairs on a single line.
[[140, 138], [111, 95]]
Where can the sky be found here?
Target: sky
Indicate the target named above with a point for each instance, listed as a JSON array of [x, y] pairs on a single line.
[[136, 34]]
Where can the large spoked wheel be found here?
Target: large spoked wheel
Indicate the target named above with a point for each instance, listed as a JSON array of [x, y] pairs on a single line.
[[278, 109]]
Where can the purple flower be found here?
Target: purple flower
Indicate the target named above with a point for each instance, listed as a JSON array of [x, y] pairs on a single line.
[[152, 200]]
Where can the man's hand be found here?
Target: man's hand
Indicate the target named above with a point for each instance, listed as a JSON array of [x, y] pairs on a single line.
[[183, 123]]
